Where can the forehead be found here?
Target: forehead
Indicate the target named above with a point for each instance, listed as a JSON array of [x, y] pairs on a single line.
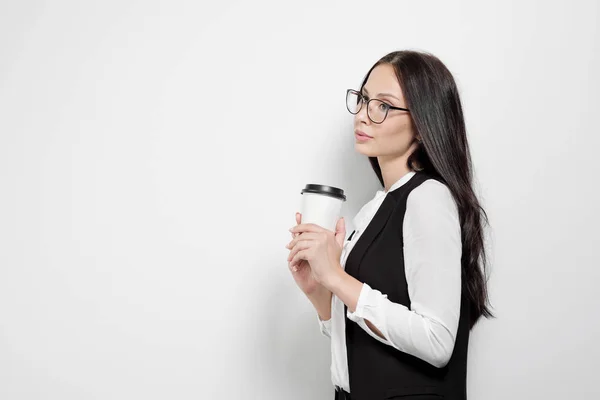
[[383, 80]]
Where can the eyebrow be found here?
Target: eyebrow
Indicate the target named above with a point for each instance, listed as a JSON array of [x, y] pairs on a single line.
[[382, 94]]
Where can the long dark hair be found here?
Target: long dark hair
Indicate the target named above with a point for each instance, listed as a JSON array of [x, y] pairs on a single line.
[[431, 95]]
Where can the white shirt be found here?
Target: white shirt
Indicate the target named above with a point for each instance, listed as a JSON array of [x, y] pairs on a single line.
[[432, 262]]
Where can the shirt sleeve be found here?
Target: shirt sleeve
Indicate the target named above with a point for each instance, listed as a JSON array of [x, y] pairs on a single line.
[[325, 326], [432, 262]]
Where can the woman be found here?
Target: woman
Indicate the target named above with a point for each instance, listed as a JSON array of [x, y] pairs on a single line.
[[399, 297]]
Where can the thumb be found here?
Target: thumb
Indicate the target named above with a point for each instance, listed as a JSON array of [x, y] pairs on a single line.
[[340, 231]]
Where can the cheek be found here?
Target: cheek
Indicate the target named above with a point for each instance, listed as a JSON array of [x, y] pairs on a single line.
[[399, 133], [405, 127]]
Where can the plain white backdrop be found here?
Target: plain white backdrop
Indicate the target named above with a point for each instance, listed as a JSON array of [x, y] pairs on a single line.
[[152, 155]]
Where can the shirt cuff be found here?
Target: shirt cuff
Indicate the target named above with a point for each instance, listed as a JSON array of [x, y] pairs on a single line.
[[325, 326], [357, 315], [367, 298], [369, 307]]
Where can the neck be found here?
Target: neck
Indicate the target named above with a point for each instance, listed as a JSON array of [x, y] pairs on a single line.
[[394, 168]]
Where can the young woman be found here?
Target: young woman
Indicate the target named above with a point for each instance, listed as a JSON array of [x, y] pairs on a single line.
[[400, 295]]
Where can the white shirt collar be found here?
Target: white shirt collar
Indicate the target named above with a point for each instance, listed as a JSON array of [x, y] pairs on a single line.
[[398, 183], [364, 215]]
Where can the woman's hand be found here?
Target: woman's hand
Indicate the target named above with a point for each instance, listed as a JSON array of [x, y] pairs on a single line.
[[302, 272], [318, 246]]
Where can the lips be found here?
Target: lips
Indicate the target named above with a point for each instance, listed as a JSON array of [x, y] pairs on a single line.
[[361, 133]]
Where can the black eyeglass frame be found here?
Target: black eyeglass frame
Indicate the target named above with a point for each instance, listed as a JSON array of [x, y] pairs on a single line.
[[362, 101]]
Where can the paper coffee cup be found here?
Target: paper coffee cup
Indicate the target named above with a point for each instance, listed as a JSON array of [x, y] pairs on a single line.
[[322, 205]]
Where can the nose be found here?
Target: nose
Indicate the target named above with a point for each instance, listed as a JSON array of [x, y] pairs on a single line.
[[362, 115]]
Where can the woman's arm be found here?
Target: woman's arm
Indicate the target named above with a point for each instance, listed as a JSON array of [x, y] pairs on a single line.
[[432, 252], [321, 300]]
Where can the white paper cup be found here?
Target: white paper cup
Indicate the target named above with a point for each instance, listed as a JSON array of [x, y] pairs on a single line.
[[322, 205]]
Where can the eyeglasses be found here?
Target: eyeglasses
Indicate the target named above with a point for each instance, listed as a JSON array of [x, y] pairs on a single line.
[[377, 110]]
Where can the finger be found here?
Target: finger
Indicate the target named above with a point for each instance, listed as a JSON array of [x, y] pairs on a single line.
[[305, 236], [301, 255], [294, 268], [341, 225], [340, 231], [298, 221], [307, 228], [301, 245]]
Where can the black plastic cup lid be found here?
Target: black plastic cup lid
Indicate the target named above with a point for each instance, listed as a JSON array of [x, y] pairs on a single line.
[[324, 189]]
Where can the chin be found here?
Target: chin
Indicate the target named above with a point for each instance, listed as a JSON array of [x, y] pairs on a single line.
[[364, 150]]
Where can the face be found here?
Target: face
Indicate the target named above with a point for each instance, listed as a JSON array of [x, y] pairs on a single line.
[[394, 136]]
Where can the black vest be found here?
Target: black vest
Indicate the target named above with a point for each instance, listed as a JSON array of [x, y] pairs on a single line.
[[379, 371]]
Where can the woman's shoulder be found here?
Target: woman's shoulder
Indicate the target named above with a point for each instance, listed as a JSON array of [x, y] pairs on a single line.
[[431, 196], [430, 186]]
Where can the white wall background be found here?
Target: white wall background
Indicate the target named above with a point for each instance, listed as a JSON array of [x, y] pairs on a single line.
[[151, 160]]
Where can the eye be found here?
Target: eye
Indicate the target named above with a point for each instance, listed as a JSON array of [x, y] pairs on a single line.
[[384, 106]]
